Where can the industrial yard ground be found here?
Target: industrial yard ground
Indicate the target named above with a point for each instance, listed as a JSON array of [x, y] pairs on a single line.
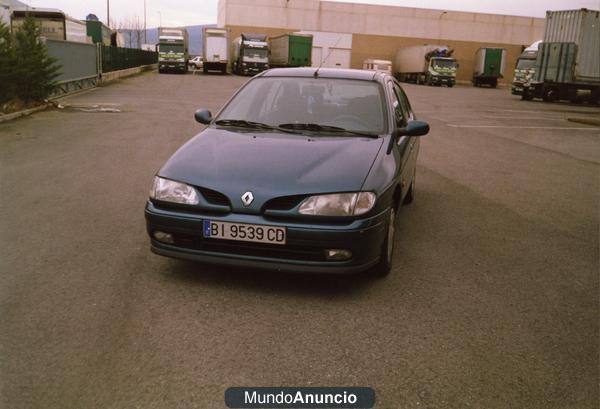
[[492, 303]]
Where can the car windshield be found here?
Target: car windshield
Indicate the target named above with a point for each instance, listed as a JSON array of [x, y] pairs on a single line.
[[310, 104], [165, 48], [525, 64], [256, 53], [443, 63]]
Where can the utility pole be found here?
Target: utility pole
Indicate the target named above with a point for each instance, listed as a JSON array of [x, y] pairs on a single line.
[[108, 13], [159, 19], [145, 40]]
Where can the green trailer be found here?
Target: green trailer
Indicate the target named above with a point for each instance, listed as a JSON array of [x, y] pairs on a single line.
[[98, 31], [291, 50], [489, 66]]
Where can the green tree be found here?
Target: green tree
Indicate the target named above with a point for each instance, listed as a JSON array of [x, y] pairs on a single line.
[[8, 62], [37, 70]]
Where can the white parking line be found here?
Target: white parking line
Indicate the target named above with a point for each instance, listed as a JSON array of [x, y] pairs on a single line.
[[526, 127]]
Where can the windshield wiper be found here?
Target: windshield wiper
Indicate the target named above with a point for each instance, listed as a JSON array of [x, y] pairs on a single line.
[[324, 128], [242, 123]]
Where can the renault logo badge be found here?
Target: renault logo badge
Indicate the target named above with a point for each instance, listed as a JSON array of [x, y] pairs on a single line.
[[247, 198]]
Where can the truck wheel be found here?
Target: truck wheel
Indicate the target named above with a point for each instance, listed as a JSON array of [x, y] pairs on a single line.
[[526, 95], [450, 84], [494, 83], [550, 94]]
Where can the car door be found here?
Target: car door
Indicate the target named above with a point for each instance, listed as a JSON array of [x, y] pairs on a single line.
[[413, 141], [403, 142]]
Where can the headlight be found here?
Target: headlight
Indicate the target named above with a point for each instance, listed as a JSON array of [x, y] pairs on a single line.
[[341, 204], [175, 192]]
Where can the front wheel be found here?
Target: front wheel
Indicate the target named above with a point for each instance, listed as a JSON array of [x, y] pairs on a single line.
[[384, 266]]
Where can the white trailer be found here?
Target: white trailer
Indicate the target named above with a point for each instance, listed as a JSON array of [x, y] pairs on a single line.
[[76, 30], [215, 51]]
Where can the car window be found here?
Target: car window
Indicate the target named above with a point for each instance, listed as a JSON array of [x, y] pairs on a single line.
[[349, 104], [404, 99], [399, 114]]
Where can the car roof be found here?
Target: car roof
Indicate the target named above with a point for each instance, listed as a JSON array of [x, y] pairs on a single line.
[[342, 73]]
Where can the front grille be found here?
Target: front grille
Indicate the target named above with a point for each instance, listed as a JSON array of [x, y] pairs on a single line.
[[288, 251], [284, 202], [213, 197]]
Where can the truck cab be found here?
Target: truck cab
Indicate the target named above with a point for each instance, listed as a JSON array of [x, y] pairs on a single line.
[[172, 50], [525, 68], [250, 54], [441, 71]]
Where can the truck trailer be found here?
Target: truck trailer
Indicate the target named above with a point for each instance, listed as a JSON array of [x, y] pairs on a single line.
[[291, 50], [250, 54], [489, 66], [524, 68], [173, 54], [568, 60], [215, 50], [426, 64]]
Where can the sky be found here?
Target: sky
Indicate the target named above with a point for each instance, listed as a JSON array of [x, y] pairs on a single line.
[[194, 12]]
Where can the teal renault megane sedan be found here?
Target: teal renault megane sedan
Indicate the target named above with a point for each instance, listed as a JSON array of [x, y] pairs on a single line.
[[304, 169]]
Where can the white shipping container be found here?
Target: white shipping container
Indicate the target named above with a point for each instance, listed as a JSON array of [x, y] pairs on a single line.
[[279, 50], [216, 45], [412, 59], [581, 27], [76, 30]]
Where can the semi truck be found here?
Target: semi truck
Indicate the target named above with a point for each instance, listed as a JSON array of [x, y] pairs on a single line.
[[250, 54], [426, 64], [291, 50], [173, 53], [568, 61], [489, 66], [524, 68], [215, 50]]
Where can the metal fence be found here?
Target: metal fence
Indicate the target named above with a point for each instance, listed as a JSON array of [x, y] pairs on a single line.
[[79, 65], [118, 58]]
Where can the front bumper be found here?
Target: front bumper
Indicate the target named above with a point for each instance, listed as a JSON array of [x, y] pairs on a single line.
[[303, 252], [517, 88], [442, 80], [171, 66]]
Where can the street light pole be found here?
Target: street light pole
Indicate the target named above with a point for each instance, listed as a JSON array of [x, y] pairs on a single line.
[[108, 13], [145, 40], [159, 19]]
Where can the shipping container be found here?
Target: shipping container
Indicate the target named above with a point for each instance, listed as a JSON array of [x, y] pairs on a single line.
[[51, 22], [582, 28], [489, 66], [290, 50], [568, 61], [76, 30]]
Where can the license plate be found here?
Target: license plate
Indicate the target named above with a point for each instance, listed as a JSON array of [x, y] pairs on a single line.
[[243, 232]]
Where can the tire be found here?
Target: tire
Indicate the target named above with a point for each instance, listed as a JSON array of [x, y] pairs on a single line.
[[450, 85], [526, 95], [550, 94], [384, 266], [494, 83]]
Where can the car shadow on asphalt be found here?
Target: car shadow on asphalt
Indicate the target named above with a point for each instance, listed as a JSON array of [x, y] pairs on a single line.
[[268, 281]]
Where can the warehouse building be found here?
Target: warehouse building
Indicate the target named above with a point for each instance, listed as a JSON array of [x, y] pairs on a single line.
[[368, 31]]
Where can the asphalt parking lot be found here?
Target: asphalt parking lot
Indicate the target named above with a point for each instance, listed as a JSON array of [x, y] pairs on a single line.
[[493, 301]]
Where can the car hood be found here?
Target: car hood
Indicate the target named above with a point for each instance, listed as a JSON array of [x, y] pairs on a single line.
[[272, 164]]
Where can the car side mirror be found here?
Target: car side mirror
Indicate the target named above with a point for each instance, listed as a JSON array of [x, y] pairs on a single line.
[[203, 116], [415, 128]]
